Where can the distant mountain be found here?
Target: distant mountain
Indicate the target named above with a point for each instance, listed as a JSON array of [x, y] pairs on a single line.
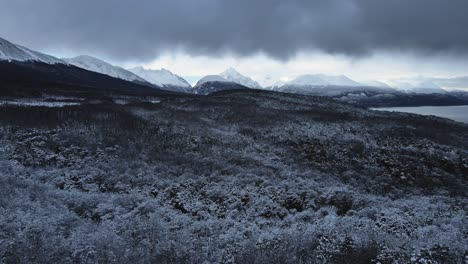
[[96, 65], [13, 52], [27, 72], [163, 78], [452, 83], [320, 85], [375, 83], [234, 76], [322, 80], [425, 86], [215, 83]]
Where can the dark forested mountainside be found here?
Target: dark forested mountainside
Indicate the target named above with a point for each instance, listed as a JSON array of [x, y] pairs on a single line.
[[236, 177], [32, 78]]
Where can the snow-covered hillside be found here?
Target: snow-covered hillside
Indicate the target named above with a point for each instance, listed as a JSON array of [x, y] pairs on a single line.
[[163, 78], [96, 65], [215, 83], [13, 52], [234, 76], [211, 78]]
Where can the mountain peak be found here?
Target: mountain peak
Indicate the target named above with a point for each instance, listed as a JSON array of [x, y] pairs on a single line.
[[233, 75], [163, 78], [13, 52]]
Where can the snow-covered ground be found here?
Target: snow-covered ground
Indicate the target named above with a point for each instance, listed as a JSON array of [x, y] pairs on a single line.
[[37, 103]]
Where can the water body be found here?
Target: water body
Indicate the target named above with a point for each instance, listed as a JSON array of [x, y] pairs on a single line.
[[457, 113]]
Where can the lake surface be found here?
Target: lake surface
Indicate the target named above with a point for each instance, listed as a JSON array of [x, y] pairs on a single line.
[[457, 113]]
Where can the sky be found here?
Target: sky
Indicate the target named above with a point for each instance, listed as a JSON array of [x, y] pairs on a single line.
[[268, 40]]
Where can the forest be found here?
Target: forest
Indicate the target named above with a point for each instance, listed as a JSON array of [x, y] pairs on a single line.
[[241, 176]]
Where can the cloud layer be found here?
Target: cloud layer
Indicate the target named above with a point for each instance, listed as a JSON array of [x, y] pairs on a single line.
[[143, 29]]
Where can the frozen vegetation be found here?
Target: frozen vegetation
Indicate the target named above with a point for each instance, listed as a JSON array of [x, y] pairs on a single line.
[[236, 177]]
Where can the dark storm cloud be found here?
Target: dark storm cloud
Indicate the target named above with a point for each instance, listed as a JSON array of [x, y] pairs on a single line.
[[143, 29]]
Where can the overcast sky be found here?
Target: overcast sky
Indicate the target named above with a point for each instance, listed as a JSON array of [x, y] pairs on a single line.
[[364, 39]]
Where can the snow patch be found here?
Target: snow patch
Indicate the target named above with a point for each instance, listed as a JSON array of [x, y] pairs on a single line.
[[37, 103]]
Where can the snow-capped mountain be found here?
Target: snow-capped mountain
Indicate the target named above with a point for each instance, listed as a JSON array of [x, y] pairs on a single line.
[[234, 76], [215, 83], [163, 78], [96, 65], [322, 80], [336, 86], [24, 71], [13, 52]]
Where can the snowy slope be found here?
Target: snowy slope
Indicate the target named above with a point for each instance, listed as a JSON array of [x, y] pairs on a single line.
[[234, 76], [163, 78], [13, 52], [96, 65]]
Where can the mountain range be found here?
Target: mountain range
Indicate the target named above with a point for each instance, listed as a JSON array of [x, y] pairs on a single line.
[[25, 69], [27, 72]]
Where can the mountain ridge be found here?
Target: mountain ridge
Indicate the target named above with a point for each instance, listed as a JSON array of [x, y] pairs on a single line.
[[13, 52], [163, 78], [97, 65]]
